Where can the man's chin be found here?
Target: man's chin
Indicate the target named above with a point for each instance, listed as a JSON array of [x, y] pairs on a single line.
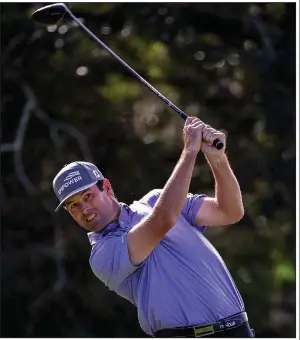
[[89, 227], [98, 228], [94, 228]]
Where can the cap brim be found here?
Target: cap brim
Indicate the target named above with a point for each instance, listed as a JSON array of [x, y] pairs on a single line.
[[73, 193]]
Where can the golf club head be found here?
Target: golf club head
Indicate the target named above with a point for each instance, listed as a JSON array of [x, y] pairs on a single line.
[[51, 14]]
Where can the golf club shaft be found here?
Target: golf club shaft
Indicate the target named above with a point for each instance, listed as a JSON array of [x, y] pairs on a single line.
[[217, 143], [113, 54]]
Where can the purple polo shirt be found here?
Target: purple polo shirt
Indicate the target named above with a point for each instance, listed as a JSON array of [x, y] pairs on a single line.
[[183, 282]]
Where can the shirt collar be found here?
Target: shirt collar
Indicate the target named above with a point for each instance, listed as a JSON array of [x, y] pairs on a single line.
[[123, 219]]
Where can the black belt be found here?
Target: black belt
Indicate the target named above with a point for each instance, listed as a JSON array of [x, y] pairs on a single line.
[[199, 331]]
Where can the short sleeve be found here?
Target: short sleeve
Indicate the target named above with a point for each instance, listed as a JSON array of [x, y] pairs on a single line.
[[110, 261], [189, 211], [151, 197], [191, 208]]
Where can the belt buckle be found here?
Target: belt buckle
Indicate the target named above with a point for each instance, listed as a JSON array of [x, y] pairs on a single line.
[[203, 330]]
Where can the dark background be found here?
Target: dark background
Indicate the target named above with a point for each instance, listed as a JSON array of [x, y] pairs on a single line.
[[65, 99]]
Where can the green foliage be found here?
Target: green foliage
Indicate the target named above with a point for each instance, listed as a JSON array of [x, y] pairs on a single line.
[[233, 65]]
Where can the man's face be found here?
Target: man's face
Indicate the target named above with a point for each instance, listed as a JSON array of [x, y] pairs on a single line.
[[93, 209]]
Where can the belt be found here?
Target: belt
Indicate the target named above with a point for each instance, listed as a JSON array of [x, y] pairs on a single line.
[[199, 331]]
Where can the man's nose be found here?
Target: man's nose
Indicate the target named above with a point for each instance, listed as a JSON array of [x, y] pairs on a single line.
[[85, 207]]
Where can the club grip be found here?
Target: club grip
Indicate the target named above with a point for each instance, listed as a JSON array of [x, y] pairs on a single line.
[[218, 144]]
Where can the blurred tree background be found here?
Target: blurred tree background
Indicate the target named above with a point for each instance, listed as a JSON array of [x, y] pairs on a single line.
[[64, 99]]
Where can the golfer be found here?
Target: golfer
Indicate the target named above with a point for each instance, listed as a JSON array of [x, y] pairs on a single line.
[[154, 252]]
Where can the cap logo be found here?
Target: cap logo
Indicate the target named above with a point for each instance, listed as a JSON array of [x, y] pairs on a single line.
[[70, 182], [71, 175], [97, 173]]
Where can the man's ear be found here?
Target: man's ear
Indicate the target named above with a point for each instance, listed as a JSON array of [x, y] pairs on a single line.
[[107, 187]]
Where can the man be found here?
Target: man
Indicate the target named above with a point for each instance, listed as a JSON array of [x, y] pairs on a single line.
[[153, 252]]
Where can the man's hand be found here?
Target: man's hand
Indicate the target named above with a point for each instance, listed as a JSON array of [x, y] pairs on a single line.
[[199, 136], [209, 135], [193, 134]]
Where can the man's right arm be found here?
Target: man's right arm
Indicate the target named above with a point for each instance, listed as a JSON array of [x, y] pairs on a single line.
[[144, 236]]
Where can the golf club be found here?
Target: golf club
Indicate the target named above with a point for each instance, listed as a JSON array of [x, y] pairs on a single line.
[[52, 14]]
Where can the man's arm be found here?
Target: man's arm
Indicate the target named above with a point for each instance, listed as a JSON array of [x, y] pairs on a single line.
[[144, 236], [227, 205]]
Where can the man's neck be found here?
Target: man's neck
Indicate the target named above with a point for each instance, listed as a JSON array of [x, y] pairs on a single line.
[[118, 212]]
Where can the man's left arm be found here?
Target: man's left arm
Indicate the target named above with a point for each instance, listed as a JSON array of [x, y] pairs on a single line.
[[227, 205]]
